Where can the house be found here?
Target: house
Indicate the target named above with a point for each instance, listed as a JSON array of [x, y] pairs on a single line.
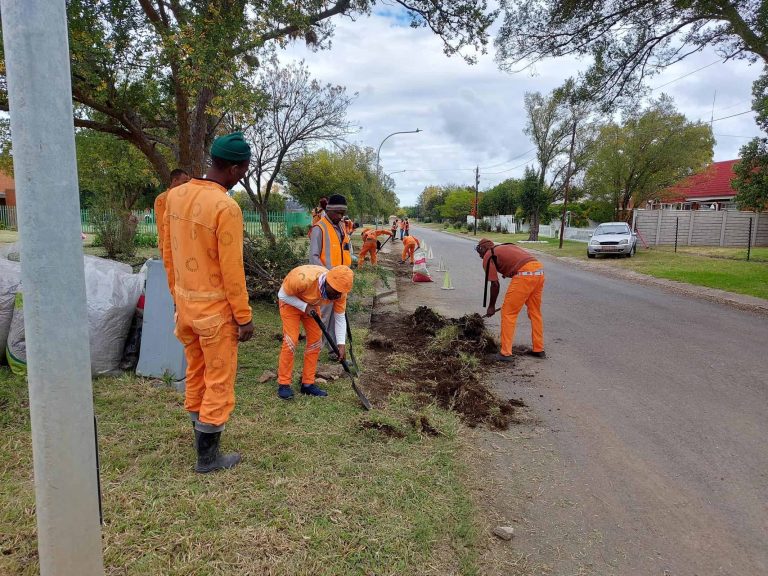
[[7, 191], [707, 190]]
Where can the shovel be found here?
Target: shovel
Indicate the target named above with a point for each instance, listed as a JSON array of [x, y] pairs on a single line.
[[366, 403], [382, 245], [351, 348], [495, 311]]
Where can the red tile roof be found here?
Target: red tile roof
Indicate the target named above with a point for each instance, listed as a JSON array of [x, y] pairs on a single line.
[[713, 182]]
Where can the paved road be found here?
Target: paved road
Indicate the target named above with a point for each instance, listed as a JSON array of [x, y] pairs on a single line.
[[655, 407]]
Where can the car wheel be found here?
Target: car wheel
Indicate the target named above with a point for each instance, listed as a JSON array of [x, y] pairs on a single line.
[[590, 255], [634, 249], [629, 254]]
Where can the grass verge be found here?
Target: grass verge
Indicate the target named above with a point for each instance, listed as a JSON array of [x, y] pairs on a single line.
[[713, 267], [318, 492]]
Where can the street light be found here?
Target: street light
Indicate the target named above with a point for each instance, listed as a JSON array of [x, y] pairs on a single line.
[[378, 151]]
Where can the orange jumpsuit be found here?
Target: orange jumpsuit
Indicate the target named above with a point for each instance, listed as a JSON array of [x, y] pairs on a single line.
[[159, 215], [203, 257], [302, 283], [410, 243], [369, 246], [525, 288]]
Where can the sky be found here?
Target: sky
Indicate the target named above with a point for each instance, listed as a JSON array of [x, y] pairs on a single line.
[[472, 115]]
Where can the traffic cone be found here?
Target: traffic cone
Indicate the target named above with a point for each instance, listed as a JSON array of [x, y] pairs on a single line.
[[430, 256], [441, 266], [447, 285]]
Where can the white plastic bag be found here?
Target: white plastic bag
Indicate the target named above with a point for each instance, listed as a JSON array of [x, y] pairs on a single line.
[[420, 271]]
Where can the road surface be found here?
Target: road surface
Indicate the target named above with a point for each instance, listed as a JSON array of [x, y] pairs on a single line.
[[651, 452]]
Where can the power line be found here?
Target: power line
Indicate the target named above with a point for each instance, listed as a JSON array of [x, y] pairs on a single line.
[[686, 75]]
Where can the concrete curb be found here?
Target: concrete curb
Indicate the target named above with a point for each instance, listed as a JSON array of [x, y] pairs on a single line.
[[739, 301]]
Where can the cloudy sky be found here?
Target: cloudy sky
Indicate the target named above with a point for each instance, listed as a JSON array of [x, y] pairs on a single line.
[[473, 115]]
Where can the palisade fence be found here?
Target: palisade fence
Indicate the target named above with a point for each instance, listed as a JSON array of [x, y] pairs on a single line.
[[280, 223]]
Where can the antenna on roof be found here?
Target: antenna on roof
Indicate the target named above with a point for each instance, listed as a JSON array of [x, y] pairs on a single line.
[[712, 117]]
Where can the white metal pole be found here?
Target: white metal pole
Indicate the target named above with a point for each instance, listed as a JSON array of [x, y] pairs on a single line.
[[55, 315]]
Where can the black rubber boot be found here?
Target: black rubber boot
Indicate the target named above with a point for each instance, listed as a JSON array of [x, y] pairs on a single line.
[[209, 459]]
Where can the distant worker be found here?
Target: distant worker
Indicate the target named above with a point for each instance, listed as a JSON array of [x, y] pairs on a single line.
[[401, 226], [407, 227], [410, 243], [318, 212], [370, 245], [203, 257], [178, 177], [526, 287], [394, 229], [306, 288], [329, 246]]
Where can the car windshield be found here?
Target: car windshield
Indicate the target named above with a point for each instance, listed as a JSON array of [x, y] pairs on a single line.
[[617, 229]]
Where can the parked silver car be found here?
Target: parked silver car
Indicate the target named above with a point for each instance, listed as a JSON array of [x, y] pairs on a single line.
[[612, 238]]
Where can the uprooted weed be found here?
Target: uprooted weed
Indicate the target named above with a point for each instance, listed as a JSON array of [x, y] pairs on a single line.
[[440, 361]]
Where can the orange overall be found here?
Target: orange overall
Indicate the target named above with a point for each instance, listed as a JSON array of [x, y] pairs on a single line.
[[159, 215], [203, 257], [525, 288], [410, 243], [302, 282], [369, 246]]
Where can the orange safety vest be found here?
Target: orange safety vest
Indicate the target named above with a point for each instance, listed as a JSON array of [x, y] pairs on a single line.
[[332, 252]]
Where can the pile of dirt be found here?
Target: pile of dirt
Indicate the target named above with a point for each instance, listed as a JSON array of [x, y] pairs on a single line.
[[450, 358]]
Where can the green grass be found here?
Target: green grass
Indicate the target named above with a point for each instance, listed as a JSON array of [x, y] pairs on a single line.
[[316, 493], [710, 266]]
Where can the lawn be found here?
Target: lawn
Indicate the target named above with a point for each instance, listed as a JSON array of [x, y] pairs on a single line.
[[317, 492], [710, 266]]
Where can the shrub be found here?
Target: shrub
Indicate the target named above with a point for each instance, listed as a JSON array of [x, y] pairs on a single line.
[[446, 225], [145, 240], [267, 265], [298, 231], [115, 231], [484, 226]]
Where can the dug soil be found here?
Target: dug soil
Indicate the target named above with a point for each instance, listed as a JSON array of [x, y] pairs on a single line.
[[437, 360]]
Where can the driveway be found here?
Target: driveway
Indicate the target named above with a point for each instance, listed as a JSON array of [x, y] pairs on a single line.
[[650, 452]]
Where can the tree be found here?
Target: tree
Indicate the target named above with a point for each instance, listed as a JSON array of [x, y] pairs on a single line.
[[300, 112], [116, 175], [458, 204], [650, 151], [161, 74], [629, 39], [504, 198], [548, 128], [751, 182], [350, 172], [534, 201], [429, 201]]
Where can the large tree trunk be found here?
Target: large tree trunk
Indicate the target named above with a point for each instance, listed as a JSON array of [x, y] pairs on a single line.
[[264, 218], [533, 233]]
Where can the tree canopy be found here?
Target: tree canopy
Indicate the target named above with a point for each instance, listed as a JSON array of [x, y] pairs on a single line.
[[751, 180], [651, 150], [504, 198], [163, 74], [629, 40]]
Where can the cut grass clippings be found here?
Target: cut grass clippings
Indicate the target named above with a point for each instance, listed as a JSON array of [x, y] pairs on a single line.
[[710, 266], [319, 491]]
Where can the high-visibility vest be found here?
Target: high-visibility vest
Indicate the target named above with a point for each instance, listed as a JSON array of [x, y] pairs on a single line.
[[332, 252]]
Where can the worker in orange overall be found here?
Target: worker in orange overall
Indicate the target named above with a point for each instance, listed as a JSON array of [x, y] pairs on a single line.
[[178, 177], [394, 230], [401, 226], [203, 257], [304, 289], [525, 288], [370, 246], [410, 243], [329, 246], [318, 212]]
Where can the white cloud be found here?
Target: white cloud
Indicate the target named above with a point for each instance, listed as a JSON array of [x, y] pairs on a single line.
[[473, 115]]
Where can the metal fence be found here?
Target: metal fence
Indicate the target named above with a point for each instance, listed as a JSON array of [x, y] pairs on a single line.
[[280, 223]]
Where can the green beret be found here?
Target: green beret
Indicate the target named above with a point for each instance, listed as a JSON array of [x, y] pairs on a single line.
[[232, 147]]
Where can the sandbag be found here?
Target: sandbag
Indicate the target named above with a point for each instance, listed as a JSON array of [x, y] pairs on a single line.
[[420, 271], [10, 282], [16, 346], [112, 291]]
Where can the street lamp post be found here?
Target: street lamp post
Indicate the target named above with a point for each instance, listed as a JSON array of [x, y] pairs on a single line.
[[378, 151]]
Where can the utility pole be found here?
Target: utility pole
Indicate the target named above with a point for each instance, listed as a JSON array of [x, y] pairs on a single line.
[[567, 183], [477, 191], [55, 315]]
